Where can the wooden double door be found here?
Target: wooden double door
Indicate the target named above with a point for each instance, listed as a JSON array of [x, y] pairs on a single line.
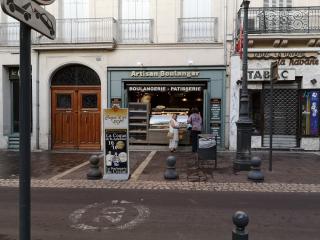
[[76, 117]]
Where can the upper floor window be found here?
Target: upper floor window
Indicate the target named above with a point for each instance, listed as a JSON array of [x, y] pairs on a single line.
[[196, 8], [135, 9], [277, 3], [76, 8]]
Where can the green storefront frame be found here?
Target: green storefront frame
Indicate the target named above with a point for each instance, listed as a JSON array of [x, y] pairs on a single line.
[[213, 76]]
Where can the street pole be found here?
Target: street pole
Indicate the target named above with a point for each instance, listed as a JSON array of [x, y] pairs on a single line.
[[25, 129], [244, 124], [271, 124], [273, 79]]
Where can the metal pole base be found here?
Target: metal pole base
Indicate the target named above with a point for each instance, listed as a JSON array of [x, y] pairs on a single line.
[[243, 155]]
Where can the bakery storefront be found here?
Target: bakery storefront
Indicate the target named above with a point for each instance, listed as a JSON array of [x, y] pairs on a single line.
[[154, 94]]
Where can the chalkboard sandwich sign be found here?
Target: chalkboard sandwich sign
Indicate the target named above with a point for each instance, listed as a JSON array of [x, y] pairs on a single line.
[[116, 151]]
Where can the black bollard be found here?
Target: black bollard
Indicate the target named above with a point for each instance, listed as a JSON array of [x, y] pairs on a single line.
[[171, 172], [255, 174], [94, 171], [241, 220]]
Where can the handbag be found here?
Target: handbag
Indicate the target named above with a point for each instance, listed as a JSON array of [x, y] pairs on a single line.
[[170, 135]]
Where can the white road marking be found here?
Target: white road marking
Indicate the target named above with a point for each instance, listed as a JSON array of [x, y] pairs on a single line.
[[60, 175], [110, 216], [135, 176]]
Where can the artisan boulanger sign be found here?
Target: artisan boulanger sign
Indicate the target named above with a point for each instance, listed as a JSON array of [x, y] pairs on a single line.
[[164, 74], [288, 58], [165, 88], [264, 74]]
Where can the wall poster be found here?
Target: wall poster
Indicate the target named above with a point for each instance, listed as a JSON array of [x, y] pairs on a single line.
[[215, 129], [215, 109], [116, 144]]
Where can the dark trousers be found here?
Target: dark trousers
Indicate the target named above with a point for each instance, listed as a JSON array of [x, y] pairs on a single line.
[[194, 140]]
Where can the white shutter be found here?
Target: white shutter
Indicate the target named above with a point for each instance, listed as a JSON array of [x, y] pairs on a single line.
[[196, 8], [135, 9]]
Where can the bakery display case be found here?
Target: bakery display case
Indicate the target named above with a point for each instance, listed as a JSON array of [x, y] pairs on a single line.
[[138, 122], [159, 125]]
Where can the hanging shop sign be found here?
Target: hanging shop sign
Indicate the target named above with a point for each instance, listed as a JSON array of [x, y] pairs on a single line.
[[165, 88], [164, 74], [116, 152], [264, 75], [288, 58]]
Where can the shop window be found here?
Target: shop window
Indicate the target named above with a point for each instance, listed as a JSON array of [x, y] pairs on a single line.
[[255, 111], [310, 113], [167, 96]]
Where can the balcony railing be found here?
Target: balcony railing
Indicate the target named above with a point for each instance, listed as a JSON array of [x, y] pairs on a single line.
[[97, 30], [135, 30], [197, 29], [282, 20]]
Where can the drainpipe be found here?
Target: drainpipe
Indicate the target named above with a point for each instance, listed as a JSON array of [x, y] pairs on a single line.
[[227, 111], [225, 33], [37, 104]]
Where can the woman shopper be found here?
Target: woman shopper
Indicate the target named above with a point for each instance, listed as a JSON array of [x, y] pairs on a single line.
[[174, 128], [195, 120]]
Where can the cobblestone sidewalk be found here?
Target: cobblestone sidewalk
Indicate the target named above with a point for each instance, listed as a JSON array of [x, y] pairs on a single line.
[[293, 172], [184, 186]]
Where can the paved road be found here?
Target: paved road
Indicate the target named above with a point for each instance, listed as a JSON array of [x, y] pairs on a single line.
[[143, 215]]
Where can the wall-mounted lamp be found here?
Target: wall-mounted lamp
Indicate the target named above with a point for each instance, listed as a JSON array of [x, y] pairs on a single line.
[[239, 82], [140, 64], [184, 99], [313, 81], [190, 62]]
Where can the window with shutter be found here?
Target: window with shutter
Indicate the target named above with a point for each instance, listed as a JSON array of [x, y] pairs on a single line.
[[75, 8], [135, 9], [196, 8]]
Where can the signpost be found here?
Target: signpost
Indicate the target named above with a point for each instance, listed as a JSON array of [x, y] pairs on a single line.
[[116, 144], [273, 79], [30, 16]]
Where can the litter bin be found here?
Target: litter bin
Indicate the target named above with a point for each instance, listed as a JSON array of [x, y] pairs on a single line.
[[207, 150]]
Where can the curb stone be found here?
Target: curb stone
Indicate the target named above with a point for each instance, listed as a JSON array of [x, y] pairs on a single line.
[[185, 186]]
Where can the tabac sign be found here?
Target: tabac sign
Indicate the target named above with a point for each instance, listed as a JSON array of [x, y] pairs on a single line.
[[264, 74], [288, 58]]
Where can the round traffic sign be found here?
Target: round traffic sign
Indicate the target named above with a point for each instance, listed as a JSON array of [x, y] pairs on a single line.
[[44, 2]]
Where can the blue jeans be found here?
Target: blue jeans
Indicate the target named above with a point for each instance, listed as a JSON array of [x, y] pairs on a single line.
[[194, 140]]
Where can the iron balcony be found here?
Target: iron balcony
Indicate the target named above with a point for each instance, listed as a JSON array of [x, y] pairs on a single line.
[[268, 20]]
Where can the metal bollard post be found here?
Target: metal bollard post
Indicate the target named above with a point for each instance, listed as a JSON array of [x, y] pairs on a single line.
[[241, 220], [255, 174], [94, 171], [171, 172]]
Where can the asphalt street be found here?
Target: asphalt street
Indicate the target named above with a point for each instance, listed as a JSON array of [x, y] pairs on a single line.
[[84, 214]]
